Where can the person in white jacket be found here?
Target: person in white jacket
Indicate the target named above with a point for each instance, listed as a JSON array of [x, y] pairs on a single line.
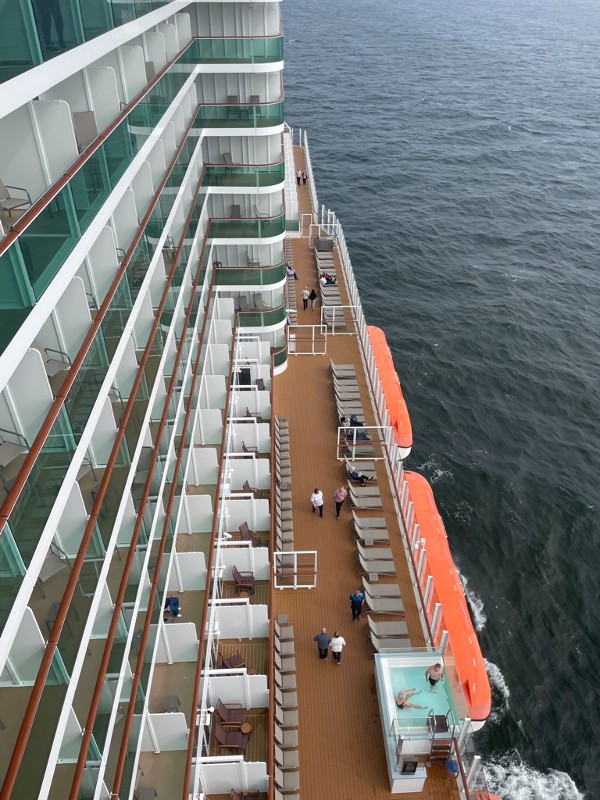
[[316, 499], [337, 644]]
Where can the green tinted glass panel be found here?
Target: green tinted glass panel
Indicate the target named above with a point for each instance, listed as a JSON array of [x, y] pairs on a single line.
[[243, 50], [246, 176], [249, 276], [236, 115]]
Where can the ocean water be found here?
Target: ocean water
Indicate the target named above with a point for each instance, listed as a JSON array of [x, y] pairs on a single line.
[[459, 143]]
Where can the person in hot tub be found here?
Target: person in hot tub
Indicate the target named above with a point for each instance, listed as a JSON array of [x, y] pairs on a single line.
[[403, 698]]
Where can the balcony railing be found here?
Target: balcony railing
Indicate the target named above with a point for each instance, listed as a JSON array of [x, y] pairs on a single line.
[[246, 228], [240, 115], [249, 276], [262, 319], [34, 32], [245, 50], [247, 175]]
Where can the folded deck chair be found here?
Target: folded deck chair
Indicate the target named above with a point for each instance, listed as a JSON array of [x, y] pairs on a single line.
[[286, 759], [374, 553], [364, 491], [383, 630], [284, 665], [381, 589], [342, 369], [385, 605], [371, 535], [286, 719], [374, 567], [287, 738], [390, 643], [365, 502]]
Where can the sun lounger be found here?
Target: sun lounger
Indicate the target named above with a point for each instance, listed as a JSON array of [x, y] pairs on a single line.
[[384, 605], [371, 535], [374, 567], [383, 630], [399, 643], [342, 369], [364, 502], [375, 553], [364, 491], [368, 522], [381, 589]]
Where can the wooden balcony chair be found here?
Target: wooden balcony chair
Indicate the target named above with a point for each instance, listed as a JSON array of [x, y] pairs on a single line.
[[232, 714], [249, 536], [244, 581], [249, 449], [231, 740], [233, 661], [253, 414], [258, 493]]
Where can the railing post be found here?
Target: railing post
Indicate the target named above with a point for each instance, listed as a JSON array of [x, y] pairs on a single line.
[[475, 767], [428, 591]]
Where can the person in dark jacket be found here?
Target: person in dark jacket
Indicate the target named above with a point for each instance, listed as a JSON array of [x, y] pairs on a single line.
[[322, 639], [357, 599]]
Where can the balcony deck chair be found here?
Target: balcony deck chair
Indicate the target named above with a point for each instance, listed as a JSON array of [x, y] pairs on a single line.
[[233, 101], [231, 740], [236, 211], [244, 581], [233, 661], [381, 589], [286, 759], [243, 303], [258, 301], [258, 494], [11, 450], [384, 630], [260, 385], [9, 202], [249, 536], [254, 414], [250, 795], [248, 448], [231, 714], [384, 605], [260, 214], [375, 553], [286, 739]]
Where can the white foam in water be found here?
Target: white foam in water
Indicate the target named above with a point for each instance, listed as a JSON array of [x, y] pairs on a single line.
[[511, 779], [475, 603], [433, 470], [500, 690]]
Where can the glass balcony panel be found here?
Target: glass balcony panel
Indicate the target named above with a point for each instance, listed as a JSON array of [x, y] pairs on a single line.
[[19, 43], [247, 228], [255, 319], [259, 115], [259, 50], [253, 176], [245, 276]]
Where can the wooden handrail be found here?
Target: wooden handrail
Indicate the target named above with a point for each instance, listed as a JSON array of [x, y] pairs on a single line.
[[45, 199], [113, 629], [76, 566]]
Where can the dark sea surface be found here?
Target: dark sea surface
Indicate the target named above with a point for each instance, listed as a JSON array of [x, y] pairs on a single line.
[[459, 144]]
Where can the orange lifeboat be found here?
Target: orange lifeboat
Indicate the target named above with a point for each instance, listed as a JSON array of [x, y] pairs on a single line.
[[485, 795], [390, 383], [470, 665]]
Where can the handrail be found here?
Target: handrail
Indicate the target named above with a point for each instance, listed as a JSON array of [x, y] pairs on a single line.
[[209, 569], [69, 591], [247, 219], [234, 164], [218, 38], [45, 199]]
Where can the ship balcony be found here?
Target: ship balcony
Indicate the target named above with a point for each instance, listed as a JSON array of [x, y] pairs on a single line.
[[248, 176], [242, 230], [240, 277], [235, 50], [234, 115]]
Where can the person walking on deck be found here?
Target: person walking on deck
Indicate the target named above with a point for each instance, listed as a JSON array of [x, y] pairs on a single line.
[[337, 644], [313, 298], [357, 599], [316, 499], [339, 496], [304, 178], [298, 176], [305, 294], [322, 639]]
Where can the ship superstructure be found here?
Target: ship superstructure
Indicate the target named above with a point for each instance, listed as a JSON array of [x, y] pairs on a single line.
[[154, 547]]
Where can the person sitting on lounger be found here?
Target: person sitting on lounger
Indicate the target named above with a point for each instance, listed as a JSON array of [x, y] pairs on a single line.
[[402, 699], [356, 475], [327, 279], [290, 272]]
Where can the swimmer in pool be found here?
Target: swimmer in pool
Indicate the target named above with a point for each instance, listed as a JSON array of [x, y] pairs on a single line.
[[434, 675], [402, 698]]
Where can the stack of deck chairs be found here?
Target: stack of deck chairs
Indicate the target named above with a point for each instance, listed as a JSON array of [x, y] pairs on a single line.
[[284, 525], [290, 289], [286, 774], [330, 295]]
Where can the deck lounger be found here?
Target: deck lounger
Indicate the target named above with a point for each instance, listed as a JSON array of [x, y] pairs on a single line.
[[284, 665], [286, 719], [282, 546], [365, 502], [231, 740], [364, 491], [284, 648], [283, 632], [385, 605], [374, 553], [384, 630], [287, 738], [371, 535], [381, 589], [287, 781], [368, 522], [390, 643], [286, 759], [231, 714], [286, 699], [374, 567], [286, 682]]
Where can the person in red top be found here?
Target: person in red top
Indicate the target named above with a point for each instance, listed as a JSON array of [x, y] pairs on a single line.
[[339, 496]]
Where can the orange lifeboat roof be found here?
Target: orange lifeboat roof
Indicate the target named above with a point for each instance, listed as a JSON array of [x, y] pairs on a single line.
[[470, 665], [391, 387]]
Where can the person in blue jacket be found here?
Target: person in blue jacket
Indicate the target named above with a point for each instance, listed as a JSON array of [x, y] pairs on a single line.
[[357, 599]]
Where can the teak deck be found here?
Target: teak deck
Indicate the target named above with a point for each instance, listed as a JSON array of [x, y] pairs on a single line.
[[341, 743]]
